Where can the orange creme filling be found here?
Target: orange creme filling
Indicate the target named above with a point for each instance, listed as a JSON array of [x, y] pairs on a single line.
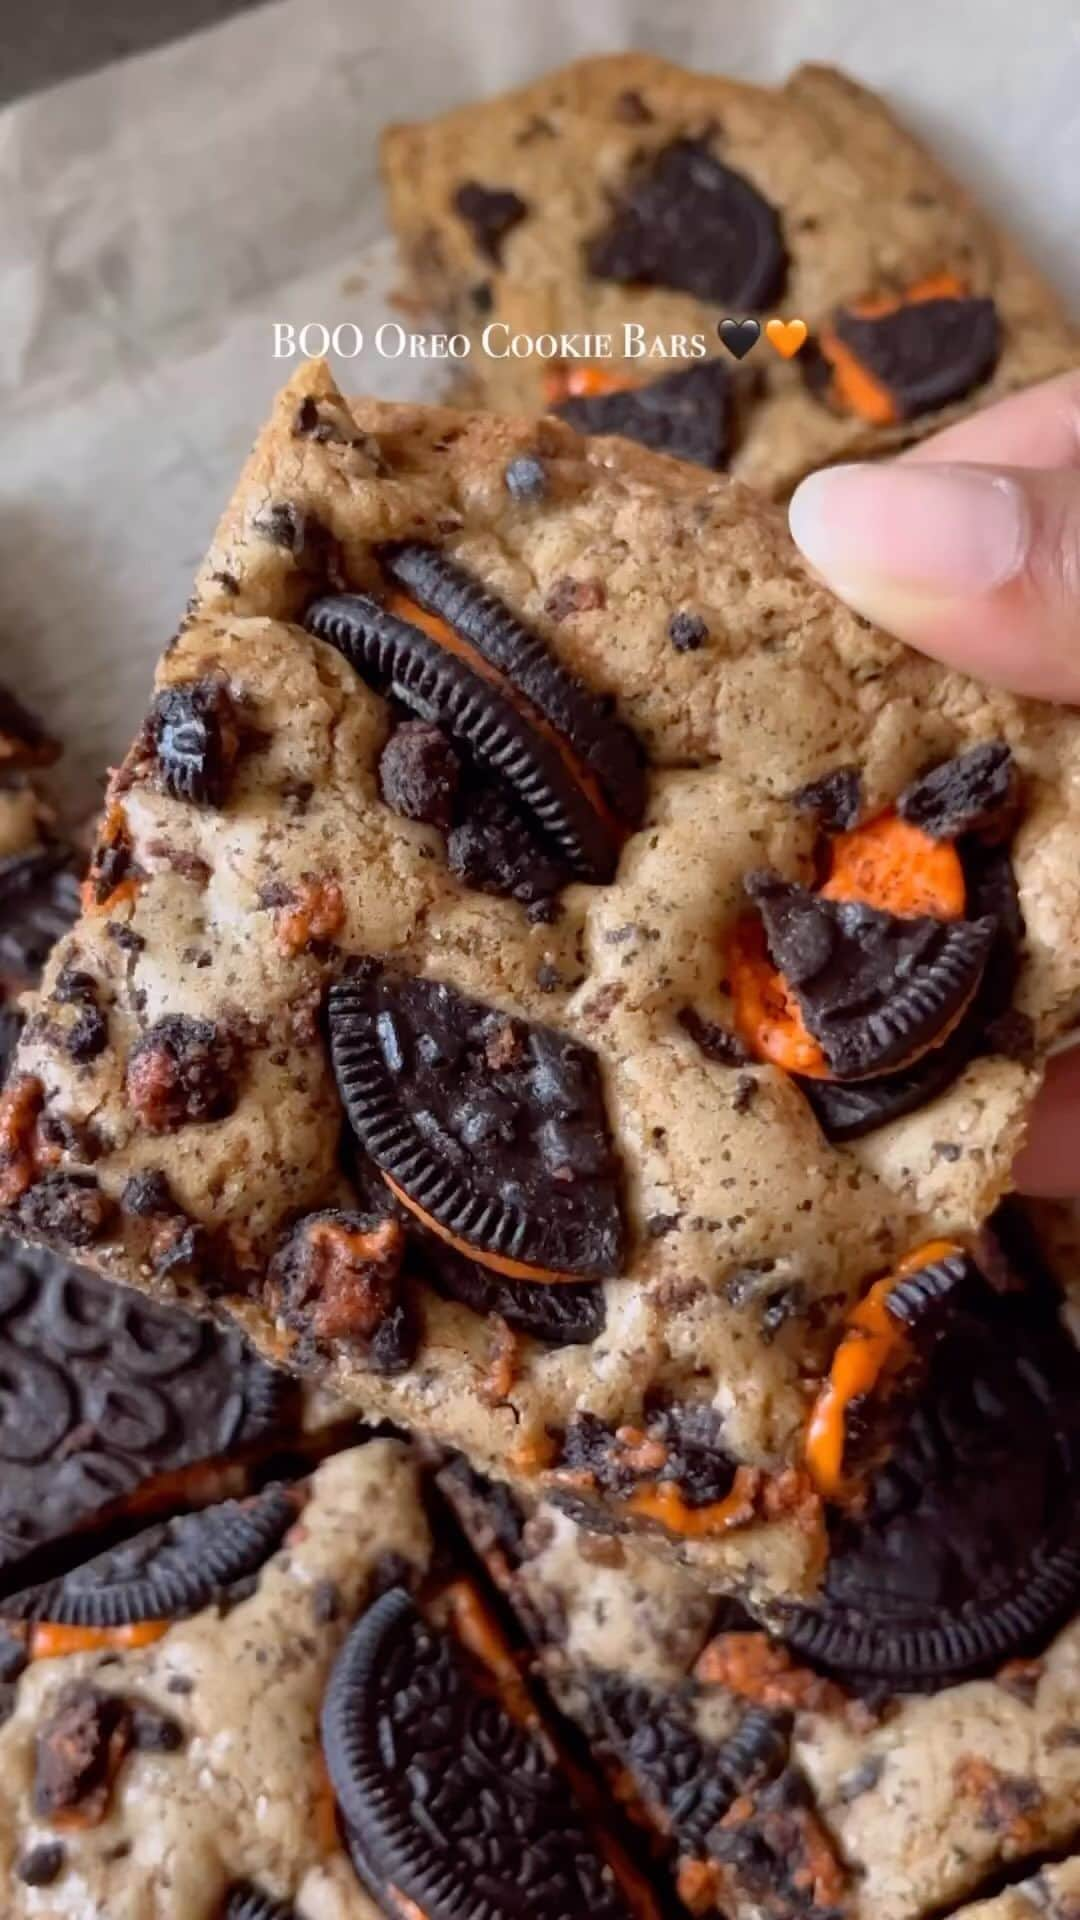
[[444, 636], [498, 1262], [582, 382], [874, 1340], [665, 1504], [854, 386], [50, 1640], [887, 864]]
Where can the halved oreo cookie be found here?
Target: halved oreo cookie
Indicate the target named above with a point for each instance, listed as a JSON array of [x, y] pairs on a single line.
[[892, 359], [104, 1395], [166, 1572], [443, 1796], [246, 1902], [876, 990], [490, 1130], [687, 221], [605, 747], [571, 1315], [684, 1780], [494, 688], [966, 1551], [687, 414]]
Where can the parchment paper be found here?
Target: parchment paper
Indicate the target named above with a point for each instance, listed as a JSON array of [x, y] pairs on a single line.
[[157, 218]]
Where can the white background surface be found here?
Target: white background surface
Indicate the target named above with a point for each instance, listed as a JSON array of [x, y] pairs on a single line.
[[156, 218]]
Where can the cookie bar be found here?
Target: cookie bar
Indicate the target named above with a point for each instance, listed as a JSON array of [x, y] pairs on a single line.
[[552, 1030], [289, 1709], [630, 207], [901, 1756]]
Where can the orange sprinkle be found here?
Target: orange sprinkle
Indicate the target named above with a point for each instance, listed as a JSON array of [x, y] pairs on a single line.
[[49, 1640], [478, 1632], [873, 1342], [581, 382], [898, 868]]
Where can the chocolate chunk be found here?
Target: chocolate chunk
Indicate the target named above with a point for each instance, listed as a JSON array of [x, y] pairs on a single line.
[[687, 414], [492, 849], [686, 1782], [334, 1278], [569, 1315], [419, 773], [78, 1752], [166, 1572], [491, 722], [510, 1155], [977, 792], [42, 1865], [196, 740], [490, 213], [966, 1549], [716, 1042], [876, 990], [526, 478], [688, 222], [69, 1208], [39, 901], [428, 1771], [687, 632], [836, 799], [924, 353], [849, 1112], [181, 1072], [920, 1300]]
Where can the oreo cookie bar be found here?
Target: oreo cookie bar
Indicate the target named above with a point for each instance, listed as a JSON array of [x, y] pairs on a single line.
[[908, 1740], [521, 1018], [284, 1709], [591, 233]]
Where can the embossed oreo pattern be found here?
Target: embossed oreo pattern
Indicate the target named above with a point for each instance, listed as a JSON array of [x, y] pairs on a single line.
[[101, 1392]]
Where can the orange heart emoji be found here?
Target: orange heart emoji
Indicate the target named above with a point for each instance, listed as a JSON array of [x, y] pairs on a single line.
[[787, 336]]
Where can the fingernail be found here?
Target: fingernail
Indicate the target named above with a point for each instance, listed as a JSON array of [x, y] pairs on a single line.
[[934, 531]]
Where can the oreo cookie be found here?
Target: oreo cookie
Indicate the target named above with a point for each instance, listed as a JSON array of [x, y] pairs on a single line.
[[687, 414], [571, 1315], [686, 1782], [965, 1551], [490, 1130], [167, 1572], [688, 222], [103, 1394], [875, 989], [195, 740], [895, 360], [246, 1902], [444, 1798]]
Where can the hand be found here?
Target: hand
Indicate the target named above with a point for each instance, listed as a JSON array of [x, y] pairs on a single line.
[[969, 548]]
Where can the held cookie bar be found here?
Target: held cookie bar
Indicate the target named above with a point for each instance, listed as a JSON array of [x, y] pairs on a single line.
[[623, 191], [561, 960], [295, 1708], [912, 1736]]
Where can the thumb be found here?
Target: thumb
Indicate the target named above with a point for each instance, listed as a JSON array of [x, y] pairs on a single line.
[[977, 565]]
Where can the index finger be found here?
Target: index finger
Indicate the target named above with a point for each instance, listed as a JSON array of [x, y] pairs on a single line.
[[1037, 428]]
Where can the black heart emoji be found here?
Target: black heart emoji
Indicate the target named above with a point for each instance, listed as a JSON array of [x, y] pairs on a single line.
[[738, 336]]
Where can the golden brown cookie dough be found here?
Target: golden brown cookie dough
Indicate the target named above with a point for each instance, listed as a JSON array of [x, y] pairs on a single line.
[[235, 1794], [748, 1232], [498, 204]]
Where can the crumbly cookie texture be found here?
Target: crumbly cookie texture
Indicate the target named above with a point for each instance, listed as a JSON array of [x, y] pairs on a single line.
[[864, 212], [748, 1232], [923, 1799], [237, 1794]]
